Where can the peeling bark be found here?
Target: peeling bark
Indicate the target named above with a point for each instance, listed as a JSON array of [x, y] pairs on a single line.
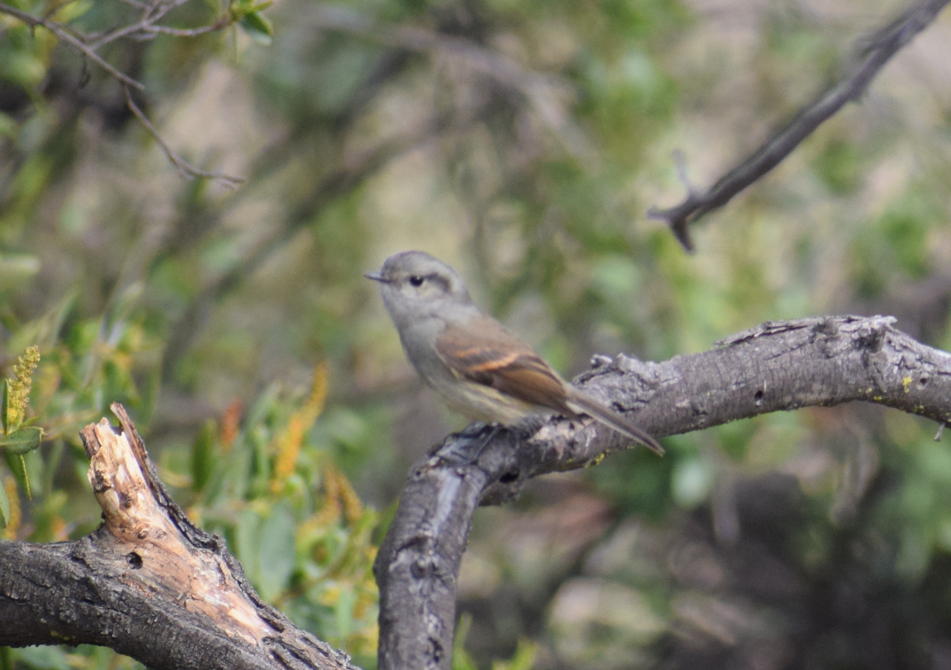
[[147, 583]]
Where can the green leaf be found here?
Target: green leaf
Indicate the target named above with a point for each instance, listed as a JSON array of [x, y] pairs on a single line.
[[276, 552], [4, 507], [23, 440], [461, 660], [18, 467], [343, 612], [46, 658], [257, 27], [247, 543], [202, 456], [524, 658], [4, 392]]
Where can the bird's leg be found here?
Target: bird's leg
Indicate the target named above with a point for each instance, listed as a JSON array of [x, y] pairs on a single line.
[[479, 434], [489, 434], [477, 429]]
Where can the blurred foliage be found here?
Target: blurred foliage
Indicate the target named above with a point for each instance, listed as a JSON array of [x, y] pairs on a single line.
[[290, 516], [523, 659], [522, 142], [18, 440]]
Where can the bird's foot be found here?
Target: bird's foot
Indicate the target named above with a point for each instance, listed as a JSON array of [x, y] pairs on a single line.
[[470, 442]]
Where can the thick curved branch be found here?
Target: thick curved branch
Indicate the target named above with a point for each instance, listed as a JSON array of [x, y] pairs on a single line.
[[776, 366], [888, 41], [147, 583]]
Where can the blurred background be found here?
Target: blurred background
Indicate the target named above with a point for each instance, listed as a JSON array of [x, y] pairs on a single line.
[[522, 142]]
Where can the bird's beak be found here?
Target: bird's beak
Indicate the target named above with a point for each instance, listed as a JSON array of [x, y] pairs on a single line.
[[376, 276]]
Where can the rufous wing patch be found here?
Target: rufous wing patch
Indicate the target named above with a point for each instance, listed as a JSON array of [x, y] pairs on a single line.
[[502, 361]]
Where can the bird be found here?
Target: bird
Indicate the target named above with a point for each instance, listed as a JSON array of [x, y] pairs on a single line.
[[478, 367]]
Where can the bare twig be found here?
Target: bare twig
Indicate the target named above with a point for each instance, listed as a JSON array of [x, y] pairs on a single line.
[[188, 32], [145, 28], [186, 169], [76, 43], [135, 3], [886, 43]]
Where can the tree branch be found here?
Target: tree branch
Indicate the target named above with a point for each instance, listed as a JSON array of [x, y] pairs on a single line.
[[147, 583], [70, 39], [150, 584], [887, 42], [143, 29], [186, 169], [777, 366]]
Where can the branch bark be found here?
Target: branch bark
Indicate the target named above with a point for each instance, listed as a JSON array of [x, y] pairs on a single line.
[[887, 42], [147, 583], [150, 584], [776, 366]]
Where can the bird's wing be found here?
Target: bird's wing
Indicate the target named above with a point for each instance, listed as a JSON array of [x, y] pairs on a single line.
[[485, 353]]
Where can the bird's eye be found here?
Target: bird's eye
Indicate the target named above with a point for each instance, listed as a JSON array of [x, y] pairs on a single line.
[[416, 280]]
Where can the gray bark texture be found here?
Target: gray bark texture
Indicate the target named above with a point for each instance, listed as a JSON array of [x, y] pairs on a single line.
[[151, 585], [778, 366]]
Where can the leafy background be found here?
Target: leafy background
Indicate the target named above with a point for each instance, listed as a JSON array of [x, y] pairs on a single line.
[[522, 142]]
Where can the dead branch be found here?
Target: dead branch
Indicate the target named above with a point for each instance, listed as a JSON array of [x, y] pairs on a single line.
[[876, 53], [147, 583]]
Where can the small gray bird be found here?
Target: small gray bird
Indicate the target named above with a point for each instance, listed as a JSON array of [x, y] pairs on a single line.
[[479, 368]]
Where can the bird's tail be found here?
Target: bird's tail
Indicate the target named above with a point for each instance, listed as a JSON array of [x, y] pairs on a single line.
[[585, 404]]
